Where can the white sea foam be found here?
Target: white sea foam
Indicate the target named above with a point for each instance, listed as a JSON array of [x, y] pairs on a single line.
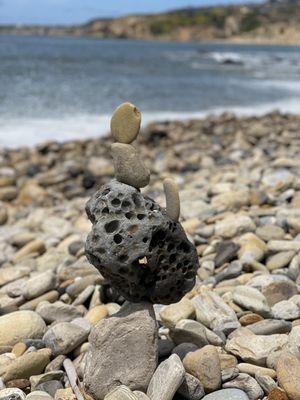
[[28, 132]]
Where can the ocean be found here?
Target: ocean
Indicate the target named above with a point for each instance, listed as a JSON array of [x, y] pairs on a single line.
[[67, 88]]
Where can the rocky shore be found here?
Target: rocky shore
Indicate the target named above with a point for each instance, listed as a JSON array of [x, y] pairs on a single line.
[[235, 335]]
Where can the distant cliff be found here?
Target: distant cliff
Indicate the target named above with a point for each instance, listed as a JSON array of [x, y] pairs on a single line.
[[277, 21]]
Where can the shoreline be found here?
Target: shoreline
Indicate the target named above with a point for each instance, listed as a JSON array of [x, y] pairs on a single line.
[[259, 41], [97, 127]]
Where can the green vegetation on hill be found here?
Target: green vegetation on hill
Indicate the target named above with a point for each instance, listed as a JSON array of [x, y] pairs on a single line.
[[188, 18], [274, 21]]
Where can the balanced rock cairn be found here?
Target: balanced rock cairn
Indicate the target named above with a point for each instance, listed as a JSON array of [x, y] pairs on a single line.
[[143, 252]]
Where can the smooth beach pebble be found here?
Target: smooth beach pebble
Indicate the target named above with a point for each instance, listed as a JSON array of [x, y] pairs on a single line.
[[19, 349], [173, 313], [96, 314], [125, 123], [140, 395], [288, 372], [39, 395], [12, 394], [35, 246], [20, 325], [39, 284], [204, 364], [129, 168], [227, 394], [27, 365], [191, 388], [64, 337], [122, 392], [248, 384], [171, 373]]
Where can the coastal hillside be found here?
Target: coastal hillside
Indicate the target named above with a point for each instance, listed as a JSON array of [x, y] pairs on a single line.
[[272, 22]]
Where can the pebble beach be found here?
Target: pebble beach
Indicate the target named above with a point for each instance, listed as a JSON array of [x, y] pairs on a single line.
[[234, 336]]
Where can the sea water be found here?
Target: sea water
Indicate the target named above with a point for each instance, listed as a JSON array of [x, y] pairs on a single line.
[[66, 88]]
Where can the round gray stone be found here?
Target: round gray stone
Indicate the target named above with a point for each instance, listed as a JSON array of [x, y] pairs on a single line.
[[227, 394]]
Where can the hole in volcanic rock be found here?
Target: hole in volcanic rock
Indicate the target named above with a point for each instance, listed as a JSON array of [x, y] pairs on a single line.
[[184, 246], [157, 238], [118, 238], [125, 204], [112, 226], [115, 202], [172, 258], [129, 215]]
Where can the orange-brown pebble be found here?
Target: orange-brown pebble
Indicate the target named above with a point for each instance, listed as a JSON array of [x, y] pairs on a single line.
[[19, 349], [277, 394], [249, 319]]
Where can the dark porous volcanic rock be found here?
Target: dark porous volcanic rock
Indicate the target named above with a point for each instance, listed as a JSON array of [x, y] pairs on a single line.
[[143, 253]]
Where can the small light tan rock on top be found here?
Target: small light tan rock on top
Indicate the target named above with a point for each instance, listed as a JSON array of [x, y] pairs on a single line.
[[125, 123]]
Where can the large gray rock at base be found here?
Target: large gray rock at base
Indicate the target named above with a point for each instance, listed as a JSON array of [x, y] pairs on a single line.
[[137, 247], [167, 379], [123, 351], [227, 394]]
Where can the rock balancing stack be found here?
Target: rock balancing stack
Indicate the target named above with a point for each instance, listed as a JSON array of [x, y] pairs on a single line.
[[143, 252]]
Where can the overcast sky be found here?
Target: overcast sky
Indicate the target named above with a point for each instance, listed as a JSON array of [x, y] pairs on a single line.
[[77, 11]]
